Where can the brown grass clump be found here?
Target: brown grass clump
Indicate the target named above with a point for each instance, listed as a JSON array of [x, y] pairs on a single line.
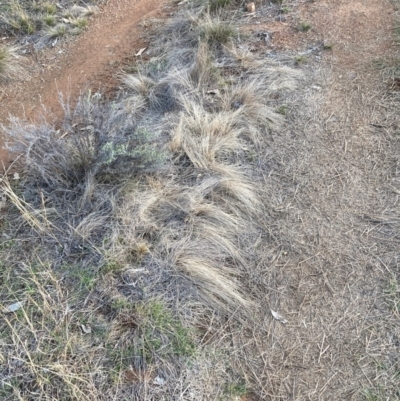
[[10, 64]]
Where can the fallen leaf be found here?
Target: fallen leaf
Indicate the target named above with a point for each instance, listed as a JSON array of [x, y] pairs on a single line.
[[279, 317], [86, 329], [13, 307], [140, 52]]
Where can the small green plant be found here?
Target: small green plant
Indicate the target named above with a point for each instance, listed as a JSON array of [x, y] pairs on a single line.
[[24, 23], [82, 279], [285, 9], [300, 59], [119, 304], [111, 266], [80, 23], [304, 27], [236, 390], [57, 31], [142, 152], [156, 65], [163, 334], [49, 8], [217, 33], [50, 20], [282, 110], [373, 395], [393, 296]]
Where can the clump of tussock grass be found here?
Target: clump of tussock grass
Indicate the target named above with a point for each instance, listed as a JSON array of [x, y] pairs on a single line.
[[10, 64], [248, 99], [216, 32], [55, 31], [49, 20], [48, 8], [80, 22], [32, 18], [100, 145], [304, 26], [279, 79], [206, 138], [160, 96], [140, 84], [215, 5], [202, 72], [193, 235]]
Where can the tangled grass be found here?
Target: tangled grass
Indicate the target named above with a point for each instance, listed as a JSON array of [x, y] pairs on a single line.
[[10, 64], [43, 21], [143, 216]]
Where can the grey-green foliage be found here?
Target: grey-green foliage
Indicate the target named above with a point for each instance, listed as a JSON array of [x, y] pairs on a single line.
[[100, 140], [137, 152], [79, 167]]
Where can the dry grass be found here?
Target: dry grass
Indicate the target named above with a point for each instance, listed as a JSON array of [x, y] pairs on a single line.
[[216, 32], [152, 237], [10, 64], [44, 21], [97, 195]]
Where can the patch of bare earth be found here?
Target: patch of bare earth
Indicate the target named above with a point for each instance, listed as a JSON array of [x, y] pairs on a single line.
[[333, 184]]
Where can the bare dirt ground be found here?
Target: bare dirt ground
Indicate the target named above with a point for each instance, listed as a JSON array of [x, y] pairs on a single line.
[[91, 61], [339, 182]]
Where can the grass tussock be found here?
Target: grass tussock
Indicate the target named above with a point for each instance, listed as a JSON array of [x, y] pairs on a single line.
[[217, 33], [145, 218], [44, 21], [10, 64]]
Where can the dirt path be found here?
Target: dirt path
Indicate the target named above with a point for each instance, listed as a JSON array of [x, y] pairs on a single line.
[[114, 35], [337, 171]]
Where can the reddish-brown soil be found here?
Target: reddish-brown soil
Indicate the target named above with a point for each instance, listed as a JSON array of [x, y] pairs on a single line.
[[114, 35]]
